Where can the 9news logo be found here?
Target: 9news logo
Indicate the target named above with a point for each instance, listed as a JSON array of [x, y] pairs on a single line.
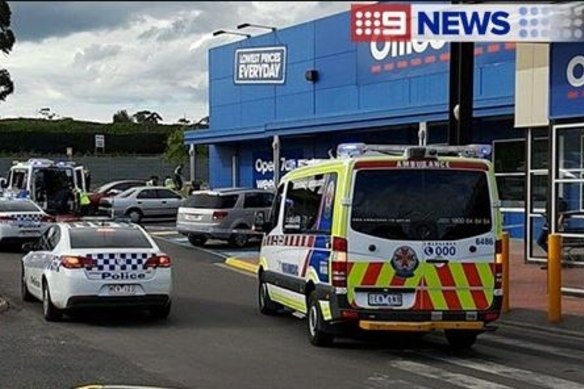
[[380, 22]]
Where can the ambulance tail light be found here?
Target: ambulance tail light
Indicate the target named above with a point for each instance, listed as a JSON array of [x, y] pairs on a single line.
[[349, 314], [220, 215], [76, 262], [339, 262], [162, 261]]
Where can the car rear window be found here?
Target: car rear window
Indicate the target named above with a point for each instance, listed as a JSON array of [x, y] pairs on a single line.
[[421, 204], [209, 201], [17, 206], [108, 238]]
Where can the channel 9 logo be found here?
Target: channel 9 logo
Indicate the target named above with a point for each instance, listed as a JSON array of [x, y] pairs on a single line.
[[380, 22]]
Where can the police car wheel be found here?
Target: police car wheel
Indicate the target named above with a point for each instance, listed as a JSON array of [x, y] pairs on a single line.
[[461, 339], [24, 293], [50, 312], [160, 312], [265, 303], [315, 323]]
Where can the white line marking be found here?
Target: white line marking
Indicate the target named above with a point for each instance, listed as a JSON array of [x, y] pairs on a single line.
[[527, 376], [456, 379], [383, 381], [561, 352]]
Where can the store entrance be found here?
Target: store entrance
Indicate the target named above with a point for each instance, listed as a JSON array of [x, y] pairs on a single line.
[[567, 201]]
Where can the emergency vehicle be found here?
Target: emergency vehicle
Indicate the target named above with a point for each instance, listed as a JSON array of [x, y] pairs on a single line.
[[87, 264], [43, 180], [386, 237], [22, 219]]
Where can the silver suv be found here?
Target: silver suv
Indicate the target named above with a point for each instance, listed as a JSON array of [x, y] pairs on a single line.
[[225, 214]]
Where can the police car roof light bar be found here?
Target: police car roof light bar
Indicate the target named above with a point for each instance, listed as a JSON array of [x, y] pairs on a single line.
[[351, 150]]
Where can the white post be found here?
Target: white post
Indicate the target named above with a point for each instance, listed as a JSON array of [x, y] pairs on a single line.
[[192, 156], [276, 159], [234, 169]]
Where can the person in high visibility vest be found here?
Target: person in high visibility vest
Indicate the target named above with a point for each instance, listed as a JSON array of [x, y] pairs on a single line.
[[169, 183], [83, 201]]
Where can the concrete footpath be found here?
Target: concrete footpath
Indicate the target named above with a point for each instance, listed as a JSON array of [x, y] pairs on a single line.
[[527, 294]]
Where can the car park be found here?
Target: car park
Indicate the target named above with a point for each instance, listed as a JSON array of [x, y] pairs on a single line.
[[112, 189], [396, 238], [21, 220], [143, 202], [224, 214], [87, 264]]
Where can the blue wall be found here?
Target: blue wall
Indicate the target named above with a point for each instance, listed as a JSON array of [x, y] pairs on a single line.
[[351, 81]]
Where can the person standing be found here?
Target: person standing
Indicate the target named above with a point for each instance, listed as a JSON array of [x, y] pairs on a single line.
[[178, 179], [153, 181], [169, 183]]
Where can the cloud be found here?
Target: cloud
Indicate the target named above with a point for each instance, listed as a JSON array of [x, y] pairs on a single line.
[[89, 60]]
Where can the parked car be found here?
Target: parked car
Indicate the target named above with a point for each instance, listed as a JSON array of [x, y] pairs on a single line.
[[142, 202], [225, 214], [111, 189]]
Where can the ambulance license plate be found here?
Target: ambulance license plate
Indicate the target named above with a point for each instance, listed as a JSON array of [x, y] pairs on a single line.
[[385, 299], [122, 290]]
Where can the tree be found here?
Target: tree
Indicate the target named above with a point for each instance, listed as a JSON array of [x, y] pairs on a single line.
[[176, 151], [122, 116], [147, 117], [7, 40]]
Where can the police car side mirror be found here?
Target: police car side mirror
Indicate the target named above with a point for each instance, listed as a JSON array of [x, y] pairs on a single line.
[[259, 222]]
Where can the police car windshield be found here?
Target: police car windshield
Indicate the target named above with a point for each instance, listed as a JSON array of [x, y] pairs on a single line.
[[17, 206], [421, 204], [108, 238], [209, 201]]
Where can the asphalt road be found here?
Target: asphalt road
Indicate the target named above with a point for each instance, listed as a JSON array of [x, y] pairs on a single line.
[[216, 338]]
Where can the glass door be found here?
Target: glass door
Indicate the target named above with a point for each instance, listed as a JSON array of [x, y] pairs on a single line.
[[537, 192]]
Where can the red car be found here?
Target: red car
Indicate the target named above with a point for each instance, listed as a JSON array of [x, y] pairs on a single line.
[[111, 189]]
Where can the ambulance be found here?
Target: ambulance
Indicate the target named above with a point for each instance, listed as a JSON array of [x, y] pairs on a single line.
[[42, 180], [386, 238]]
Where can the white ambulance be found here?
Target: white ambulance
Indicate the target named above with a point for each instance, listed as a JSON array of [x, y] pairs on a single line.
[[398, 238]]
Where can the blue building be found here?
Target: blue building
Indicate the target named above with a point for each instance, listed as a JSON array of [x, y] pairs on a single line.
[[310, 87]]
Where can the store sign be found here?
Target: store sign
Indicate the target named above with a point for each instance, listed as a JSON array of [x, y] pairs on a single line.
[[567, 80], [260, 65], [263, 166], [533, 22]]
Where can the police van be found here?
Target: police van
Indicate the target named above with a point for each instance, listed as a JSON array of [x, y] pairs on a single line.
[[43, 180], [386, 238]]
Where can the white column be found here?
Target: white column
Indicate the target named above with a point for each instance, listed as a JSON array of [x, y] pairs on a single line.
[[192, 156], [276, 158]]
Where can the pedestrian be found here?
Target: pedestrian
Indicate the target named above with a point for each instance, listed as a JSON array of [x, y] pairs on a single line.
[[169, 182], [178, 179], [153, 181], [542, 240], [82, 201]]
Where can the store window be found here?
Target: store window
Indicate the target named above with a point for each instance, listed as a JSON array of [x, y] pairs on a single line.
[[509, 160]]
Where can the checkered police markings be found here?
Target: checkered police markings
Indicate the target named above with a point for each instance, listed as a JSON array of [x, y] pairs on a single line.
[[119, 261]]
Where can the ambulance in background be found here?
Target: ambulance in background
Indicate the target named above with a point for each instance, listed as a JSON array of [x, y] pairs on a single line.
[[43, 181]]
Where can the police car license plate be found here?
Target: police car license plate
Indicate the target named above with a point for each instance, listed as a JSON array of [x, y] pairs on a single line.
[[385, 299], [122, 290]]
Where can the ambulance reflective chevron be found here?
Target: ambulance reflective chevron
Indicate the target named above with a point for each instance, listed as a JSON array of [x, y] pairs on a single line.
[[386, 237]]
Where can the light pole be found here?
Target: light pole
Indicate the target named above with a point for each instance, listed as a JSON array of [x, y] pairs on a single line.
[[221, 32], [245, 25]]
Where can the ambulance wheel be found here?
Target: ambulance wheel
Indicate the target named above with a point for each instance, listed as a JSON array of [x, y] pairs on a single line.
[[24, 293], [197, 240], [160, 312], [135, 215], [461, 339], [265, 303], [315, 324], [50, 312]]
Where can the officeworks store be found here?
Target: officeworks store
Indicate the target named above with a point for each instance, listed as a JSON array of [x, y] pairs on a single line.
[[308, 88]]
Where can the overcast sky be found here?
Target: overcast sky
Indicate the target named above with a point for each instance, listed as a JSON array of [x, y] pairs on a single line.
[[87, 60]]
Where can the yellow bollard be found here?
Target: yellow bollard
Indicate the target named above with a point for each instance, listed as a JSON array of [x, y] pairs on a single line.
[[505, 264], [555, 278]]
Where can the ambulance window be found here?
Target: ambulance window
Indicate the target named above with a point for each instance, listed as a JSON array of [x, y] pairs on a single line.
[[421, 204], [307, 209]]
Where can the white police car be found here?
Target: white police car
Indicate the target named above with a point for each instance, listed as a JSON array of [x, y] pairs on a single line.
[[21, 219], [89, 264]]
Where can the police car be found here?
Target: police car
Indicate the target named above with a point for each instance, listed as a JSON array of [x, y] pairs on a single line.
[[91, 264], [386, 237], [21, 219]]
